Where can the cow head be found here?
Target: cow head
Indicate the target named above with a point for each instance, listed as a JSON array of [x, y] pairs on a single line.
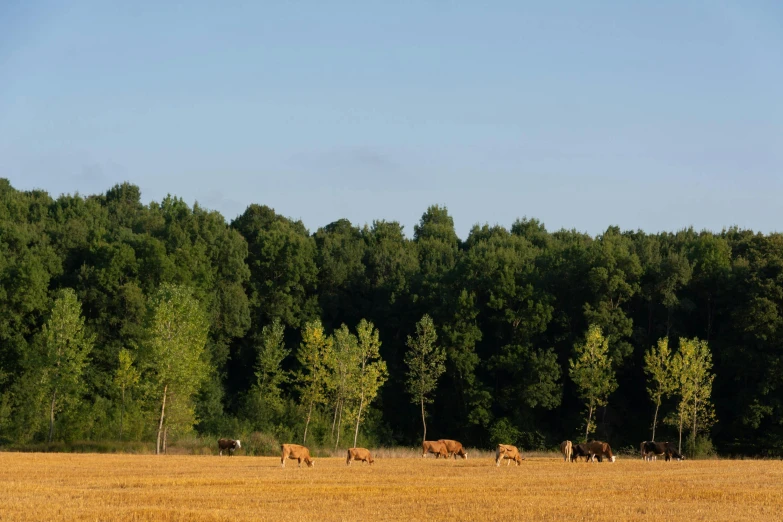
[[238, 444], [370, 460], [310, 462], [614, 458]]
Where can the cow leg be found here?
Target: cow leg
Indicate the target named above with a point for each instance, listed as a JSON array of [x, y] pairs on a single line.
[[220, 453]]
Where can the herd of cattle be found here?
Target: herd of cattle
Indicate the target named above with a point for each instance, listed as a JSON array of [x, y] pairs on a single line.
[[446, 448]]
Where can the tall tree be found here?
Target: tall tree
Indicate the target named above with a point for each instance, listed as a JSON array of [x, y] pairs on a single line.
[[371, 373], [343, 366], [591, 370], [696, 386], [664, 381], [270, 375], [125, 378], [66, 346], [314, 353], [177, 330], [425, 365]]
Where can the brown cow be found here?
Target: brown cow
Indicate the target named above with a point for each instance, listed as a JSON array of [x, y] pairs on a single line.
[[433, 446], [454, 448], [296, 452], [509, 452], [600, 450], [566, 448], [228, 444], [360, 454]]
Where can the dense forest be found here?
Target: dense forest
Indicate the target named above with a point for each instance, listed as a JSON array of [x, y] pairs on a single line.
[[93, 290]]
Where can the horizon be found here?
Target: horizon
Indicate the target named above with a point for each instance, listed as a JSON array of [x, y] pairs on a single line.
[[408, 232], [649, 117]]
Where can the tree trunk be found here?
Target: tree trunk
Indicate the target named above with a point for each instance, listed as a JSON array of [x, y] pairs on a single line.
[[162, 414], [693, 440], [358, 418], [339, 426], [307, 423], [423, 422], [589, 417], [655, 418], [122, 411], [679, 444], [51, 417], [165, 438], [334, 420]]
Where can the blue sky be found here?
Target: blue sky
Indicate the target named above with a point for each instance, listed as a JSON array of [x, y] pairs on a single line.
[[652, 115]]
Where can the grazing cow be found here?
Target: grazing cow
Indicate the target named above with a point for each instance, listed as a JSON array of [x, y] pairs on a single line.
[[598, 449], [579, 450], [508, 452], [650, 450], [360, 454], [296, 452], [228, 444], [434, 446], [566, 449], [454, 448]]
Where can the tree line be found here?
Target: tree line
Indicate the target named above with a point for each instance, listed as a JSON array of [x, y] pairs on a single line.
[[120, 320]]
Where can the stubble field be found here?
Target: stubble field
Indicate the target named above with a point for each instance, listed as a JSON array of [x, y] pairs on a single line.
[[38, 486]]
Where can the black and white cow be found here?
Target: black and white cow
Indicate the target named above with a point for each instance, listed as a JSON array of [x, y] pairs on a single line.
[[650, 450], [228, 444]]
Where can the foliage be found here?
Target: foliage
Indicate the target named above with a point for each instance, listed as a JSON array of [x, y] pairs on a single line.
[[62, 359], [425, 365], [664, 380], [315, 352], [177, 333], [510, 304], [591, 371]]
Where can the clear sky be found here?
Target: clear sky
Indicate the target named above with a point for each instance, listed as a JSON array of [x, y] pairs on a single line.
[[584, 114]]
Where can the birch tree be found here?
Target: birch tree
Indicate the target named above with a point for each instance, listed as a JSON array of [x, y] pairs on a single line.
[[695, 379], [343, 364], [425, 365], [66, 346], [314, 354], [663, 380], [125, 378], [591, 370], [371, 373], [177, 334]]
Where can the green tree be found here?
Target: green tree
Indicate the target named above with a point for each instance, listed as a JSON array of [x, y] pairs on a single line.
[[66, 346], [614, 278], [343, 366], [695, 376], [125, 378], [425, 365], [591, 370], [270, 375], [371, 373], [664, 381], [177, 330], [315, 351]]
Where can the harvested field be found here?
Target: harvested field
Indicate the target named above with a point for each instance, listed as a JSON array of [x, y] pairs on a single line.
[[37, 486]]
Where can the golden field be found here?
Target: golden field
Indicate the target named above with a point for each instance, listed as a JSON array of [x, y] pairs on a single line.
[[48, 486]]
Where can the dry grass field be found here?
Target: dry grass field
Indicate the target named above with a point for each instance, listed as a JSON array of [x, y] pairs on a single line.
[[38, 486]]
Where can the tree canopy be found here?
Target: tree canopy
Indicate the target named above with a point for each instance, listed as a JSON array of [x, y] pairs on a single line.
[[507, 307]]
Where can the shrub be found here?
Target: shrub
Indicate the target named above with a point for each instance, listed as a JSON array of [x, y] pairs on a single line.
[[262, 445], [700, 449]]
